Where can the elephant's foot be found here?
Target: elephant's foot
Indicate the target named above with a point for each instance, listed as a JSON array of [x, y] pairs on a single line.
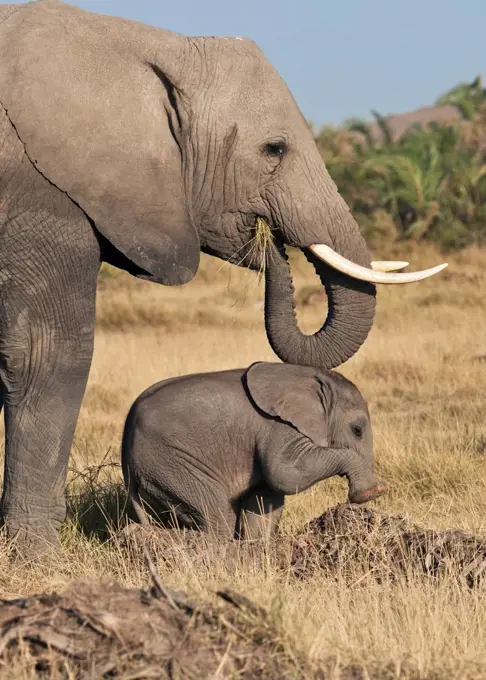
[[33, 544], [135, 536], [32, 541]]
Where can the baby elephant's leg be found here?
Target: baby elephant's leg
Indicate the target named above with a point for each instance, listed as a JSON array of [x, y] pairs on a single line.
[[260, 513], [219, 517], [202, 510]]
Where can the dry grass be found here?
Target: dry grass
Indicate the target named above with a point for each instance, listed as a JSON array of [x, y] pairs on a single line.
[[423, 372]]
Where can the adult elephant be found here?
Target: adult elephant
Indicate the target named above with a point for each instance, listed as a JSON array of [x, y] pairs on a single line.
[[140, 147]]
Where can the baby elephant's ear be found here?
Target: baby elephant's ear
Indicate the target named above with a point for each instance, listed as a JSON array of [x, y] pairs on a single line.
[[292, 393]]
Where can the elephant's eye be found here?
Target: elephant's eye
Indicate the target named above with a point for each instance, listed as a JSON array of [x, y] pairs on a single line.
[[276, 149], [357, 430]]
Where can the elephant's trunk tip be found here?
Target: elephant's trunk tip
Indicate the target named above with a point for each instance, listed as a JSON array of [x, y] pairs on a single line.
[[365, 495]]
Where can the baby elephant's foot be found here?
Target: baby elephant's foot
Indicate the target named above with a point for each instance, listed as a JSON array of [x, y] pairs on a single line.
[[135, 535]]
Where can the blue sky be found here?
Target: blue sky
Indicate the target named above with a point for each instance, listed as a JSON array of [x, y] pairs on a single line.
[[340, 58]]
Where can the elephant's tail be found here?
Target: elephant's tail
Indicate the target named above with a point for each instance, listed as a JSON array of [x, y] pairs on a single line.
[[130, 479], [144, 521], [137, 505]]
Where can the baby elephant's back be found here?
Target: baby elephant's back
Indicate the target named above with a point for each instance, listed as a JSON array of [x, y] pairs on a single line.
[[191, 410]]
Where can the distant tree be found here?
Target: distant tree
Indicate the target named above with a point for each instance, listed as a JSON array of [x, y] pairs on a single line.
[[466, 97], [430, 184]]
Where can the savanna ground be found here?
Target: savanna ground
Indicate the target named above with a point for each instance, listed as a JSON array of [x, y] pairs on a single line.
[[423, 373]]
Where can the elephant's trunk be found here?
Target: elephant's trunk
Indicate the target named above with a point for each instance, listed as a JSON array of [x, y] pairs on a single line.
[[320, 223], [363, 484], [359, 471], [368, 494], [351, 308]]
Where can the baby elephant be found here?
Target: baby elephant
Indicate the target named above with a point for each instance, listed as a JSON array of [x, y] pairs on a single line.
[[220, 451]]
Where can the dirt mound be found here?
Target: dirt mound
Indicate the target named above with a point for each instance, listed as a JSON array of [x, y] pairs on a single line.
[[348, 536], [347, 539], [101, 630]]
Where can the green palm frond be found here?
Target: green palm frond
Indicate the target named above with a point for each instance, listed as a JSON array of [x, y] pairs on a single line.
[[431, 182]]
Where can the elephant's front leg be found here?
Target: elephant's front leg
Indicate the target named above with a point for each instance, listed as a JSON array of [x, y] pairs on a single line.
[[41, 411], [294, 463], [260, 513], [47, 316]]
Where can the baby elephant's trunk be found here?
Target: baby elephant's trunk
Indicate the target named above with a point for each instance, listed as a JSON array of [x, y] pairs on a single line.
[[358, 468], [368, 494]]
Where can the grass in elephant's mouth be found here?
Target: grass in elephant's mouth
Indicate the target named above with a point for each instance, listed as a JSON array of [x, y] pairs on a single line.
[[423, 372], [262, 242]]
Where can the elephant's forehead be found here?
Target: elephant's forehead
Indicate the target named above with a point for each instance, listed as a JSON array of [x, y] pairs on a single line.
[[255, 90], [348, 394], [256, 97]]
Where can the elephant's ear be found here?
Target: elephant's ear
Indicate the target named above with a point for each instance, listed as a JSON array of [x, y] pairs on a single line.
[[292, 393], [94, 100]]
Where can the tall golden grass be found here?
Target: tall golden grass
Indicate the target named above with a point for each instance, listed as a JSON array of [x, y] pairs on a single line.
[[423, 373]]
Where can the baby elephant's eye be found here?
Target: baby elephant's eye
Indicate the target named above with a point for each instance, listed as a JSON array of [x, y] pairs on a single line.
[[357, 430], [276, 149]]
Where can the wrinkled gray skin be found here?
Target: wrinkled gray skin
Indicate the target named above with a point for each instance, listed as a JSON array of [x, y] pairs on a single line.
[[140, 147], [220, 451]]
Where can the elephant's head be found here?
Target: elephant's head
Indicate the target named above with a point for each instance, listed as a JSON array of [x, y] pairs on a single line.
[[329, 410], [172, 145], [349, 428]]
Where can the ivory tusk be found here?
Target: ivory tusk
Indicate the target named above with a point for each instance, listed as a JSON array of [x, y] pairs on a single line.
[[356, 271], [388, 265]]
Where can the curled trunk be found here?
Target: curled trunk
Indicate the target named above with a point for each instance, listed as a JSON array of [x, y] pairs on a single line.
[[350, 315]]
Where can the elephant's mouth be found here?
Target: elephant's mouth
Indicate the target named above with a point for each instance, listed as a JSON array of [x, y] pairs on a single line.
[[381, 271]]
